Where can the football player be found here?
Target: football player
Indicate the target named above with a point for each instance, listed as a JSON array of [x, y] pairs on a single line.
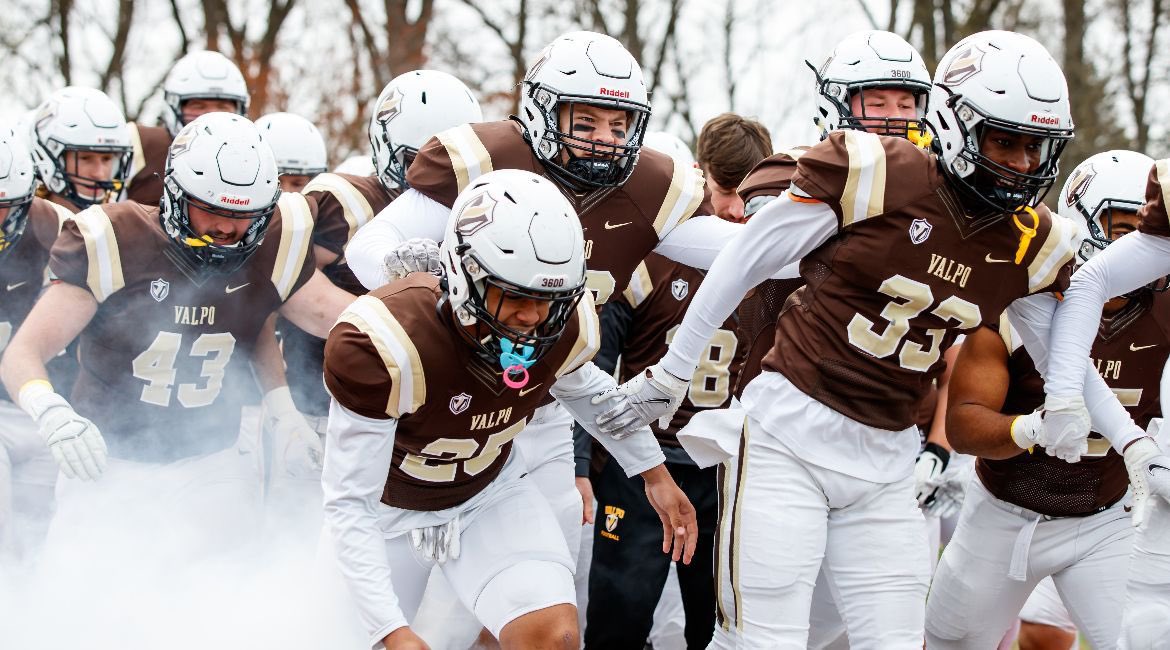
[[200, 82], [1032, 515], [901, 250], [432, 378], [298, 147], [168, 304], [81, 147]]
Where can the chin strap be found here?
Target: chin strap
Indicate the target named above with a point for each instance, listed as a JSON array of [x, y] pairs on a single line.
[[1026, 233]]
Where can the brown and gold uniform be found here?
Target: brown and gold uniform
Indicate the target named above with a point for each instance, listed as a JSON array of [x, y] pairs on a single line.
[[622, 224], [22, 267], [165, 357], [1130, 352], [151, 146], [907, 273], [394, 353]]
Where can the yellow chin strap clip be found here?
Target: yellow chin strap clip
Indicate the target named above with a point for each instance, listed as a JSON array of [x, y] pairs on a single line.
[[919, 135], [1026, 233], [204, 240]]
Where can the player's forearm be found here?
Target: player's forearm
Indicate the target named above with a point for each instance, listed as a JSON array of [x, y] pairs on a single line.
[[980, 431], [315, 306], [19, 366], [267, 361], [410, 216]]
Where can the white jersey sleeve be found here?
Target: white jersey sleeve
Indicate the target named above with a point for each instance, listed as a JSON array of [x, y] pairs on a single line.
[[697, 241], [412, 215]]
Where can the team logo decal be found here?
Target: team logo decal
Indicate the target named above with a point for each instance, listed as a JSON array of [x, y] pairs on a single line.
[[920, 230], [160, 289], [390, 108], [613, 515], [679, 289], [459, 403], [475, 214], [964, 66], [1078, 185], [182, 142]]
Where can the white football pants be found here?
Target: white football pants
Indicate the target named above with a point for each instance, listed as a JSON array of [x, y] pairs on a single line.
[[27, 476], [999, 553], [1146, 620]]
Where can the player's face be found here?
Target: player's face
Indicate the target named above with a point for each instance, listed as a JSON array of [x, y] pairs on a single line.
[[887, 103], [193, 108], [223, 231], [728, 206], [601, 125], [1018, 152], [520, 314], [1122, 222], [294, 182], [93, 165]]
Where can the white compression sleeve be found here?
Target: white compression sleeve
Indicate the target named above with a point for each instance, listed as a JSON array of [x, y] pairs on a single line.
[[697, 242], [780, 234], [358, 451], [412, 215], [635, 453], [1126, 264]]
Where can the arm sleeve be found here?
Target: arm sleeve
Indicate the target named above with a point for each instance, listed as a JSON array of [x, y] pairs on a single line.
[[358, 452], [635, 453], [1032, 318], [1126, 264], [697, 242], [410, 216], [616, 317], [781, 234]]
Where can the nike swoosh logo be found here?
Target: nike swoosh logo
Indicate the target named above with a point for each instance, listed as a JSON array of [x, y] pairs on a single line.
[[235, 289], [991, 260], [656, 400], [18, 285], [611, 226], [1154, 466], [525, 391], [1135, 348]]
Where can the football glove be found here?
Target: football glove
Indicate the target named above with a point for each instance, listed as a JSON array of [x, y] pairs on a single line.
[[1066, 427], [950, 487], [75, 442], [1026, 429], [437, 543], [412, 256], [1149, 475], [654, 394], [295, 439], [930, 465]]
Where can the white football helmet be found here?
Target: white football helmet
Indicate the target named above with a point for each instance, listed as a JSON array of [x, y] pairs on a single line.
[[356, 166], [410, 110], [671, 145], [218, 163], [584, 68], [296, 143], [869, 59], [202, 75], [17, 182], [515, 231], [76, 119], [1104, 183], [1009, 82]]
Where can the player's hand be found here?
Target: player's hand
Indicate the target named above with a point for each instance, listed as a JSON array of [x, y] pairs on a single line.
[[412, 256], [930, 465], [950, 487], [654, 394], [680, 529], [297, 440], [1066, 427], [404, 639], [437, 543], [585, 489], [1027, 429], [1149, 475], [76, 443]]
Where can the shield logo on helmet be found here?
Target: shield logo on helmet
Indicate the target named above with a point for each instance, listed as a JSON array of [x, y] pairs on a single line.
[[459, 403], [920, 230], [390, 108], [475, 214], [160, 289], [1079, 183], [964, 66], [679, 289]]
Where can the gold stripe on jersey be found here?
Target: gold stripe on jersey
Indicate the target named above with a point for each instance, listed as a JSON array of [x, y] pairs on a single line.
[[1057, 250], [138, 161], [356, 208], [469, 158], [736, 534], [296, 229], [725, 487], [1163, 168], [864, 195], [408, 388], [588, 336], [640, 286], [682, 198], [63, 214], [1007, 333], [101, 247]]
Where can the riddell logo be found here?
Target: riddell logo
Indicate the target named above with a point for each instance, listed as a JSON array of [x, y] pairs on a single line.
[[228, 199], [621, 94], [1047, 120]]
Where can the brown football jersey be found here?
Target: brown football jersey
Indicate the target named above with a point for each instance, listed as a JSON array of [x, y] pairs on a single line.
[[660, 292], [622, 225], [151, 145], [394, 354], [1129, 352], [906, 273], [165, 357], [22, 267], [345, 203], [771, 176]]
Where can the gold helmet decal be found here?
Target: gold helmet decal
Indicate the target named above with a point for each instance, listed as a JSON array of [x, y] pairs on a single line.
[[391, 107], [965, 64], [1079, 183], [182, 142], [475, 214]]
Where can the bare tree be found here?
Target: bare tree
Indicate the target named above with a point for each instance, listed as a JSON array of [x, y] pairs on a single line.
[[511, 29], [1138, 52]]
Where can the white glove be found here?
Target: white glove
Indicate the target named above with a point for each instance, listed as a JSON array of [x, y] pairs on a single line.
[[951, 487], [1066, 427], [1149, 475], [411, 256], [930, 465], [654, 394], [76, 443], [1026, 429], [294, 438], [438, 543]]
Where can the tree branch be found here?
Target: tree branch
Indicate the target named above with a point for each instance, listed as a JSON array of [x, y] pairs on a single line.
[[121, 37]]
